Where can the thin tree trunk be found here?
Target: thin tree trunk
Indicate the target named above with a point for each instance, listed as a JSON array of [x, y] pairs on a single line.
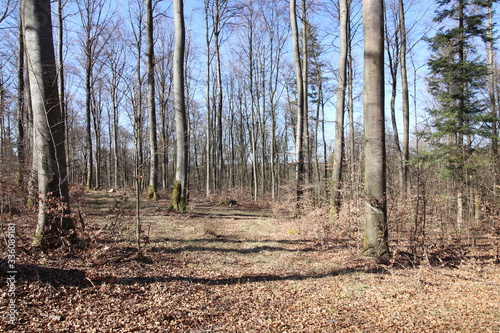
[[21, 153], [405, 102], [392, 57], [153, 138], [305, 90], [179, 192], [338, 156], [208, 161], [220, 159]]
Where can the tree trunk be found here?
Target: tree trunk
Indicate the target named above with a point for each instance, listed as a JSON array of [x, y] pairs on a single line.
[[218, 73], [48, 125], [208, 161], [393, 59], [305, 99], [179, 192], [405, 102], [153, 139], [376, 235], [299, 132], [338, 156], [21, 153]]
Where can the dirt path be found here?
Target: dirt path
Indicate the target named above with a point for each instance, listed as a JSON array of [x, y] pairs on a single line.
[[238, 268]]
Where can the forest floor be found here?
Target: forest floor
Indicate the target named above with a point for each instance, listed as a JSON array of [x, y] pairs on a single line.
[[235, 268]]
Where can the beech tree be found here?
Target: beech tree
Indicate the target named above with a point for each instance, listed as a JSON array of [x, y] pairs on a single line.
[[376, 233], [299, 132], [48, 131], [153, 138], [340, 106], [179, 191]]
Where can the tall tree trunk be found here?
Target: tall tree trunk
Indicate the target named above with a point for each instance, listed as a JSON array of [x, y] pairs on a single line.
[[305, 91], [405, 102], [492, 100], [88, 101], [338, 156], [60, 67], [48, 125], [218, 73], [153, 138], [376, 235], [208, 161], [299, 132], [179, 192], [21, 153], [393, 59]]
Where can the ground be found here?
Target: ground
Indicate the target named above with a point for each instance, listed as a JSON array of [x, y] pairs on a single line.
[[238, 267]]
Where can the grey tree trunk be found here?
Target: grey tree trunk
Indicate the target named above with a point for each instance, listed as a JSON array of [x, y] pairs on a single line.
[[405, 102], [305, 98], [153, 138], [48, 124], [21, 155], [208, 145], [299, 132], [179, 192], [492, 100], [338, 154], [218, 73], [376, 235]]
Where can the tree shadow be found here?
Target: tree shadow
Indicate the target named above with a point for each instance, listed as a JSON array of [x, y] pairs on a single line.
[[50, 275]]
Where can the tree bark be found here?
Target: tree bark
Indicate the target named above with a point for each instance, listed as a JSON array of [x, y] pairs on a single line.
[[338, 156], [376, 235], [21, 153], [299, 132], [179, 192], [53, 208], [153, 138], [405, 102]]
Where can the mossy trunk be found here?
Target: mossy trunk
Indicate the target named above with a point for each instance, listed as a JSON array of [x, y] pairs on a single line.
[[179, 199], [152, 193]]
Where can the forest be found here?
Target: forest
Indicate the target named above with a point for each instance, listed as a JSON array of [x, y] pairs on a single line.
[[249, 166]]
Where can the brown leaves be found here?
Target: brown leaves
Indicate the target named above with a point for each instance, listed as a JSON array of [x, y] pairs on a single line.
[[257, 277]]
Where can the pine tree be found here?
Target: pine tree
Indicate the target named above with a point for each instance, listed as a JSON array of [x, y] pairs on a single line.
[[458, 76]]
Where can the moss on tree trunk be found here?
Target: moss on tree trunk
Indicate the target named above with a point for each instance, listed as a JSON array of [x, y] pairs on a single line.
[[179, 201]]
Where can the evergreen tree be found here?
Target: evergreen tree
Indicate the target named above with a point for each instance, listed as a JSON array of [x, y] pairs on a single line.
[[458, 76]]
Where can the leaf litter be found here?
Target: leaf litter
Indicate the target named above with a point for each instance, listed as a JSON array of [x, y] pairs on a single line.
[[237, 268]]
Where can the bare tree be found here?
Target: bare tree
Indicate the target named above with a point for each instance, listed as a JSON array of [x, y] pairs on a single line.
[[94, 21], [376, 235], [405, 96], [340, 106], [179, 192], [21, 109], [299, 132], [48, 132], [153, 139]]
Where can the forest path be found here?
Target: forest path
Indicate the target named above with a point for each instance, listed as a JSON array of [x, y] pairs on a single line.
[[219, 268]]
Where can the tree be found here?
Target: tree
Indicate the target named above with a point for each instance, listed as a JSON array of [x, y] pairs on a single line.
[[340, 106], [179, 191], [21, 109], [299, 132], [153, 138], [405, 95], [92, 17], [49, 131], [376, 234], [457, 81]]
